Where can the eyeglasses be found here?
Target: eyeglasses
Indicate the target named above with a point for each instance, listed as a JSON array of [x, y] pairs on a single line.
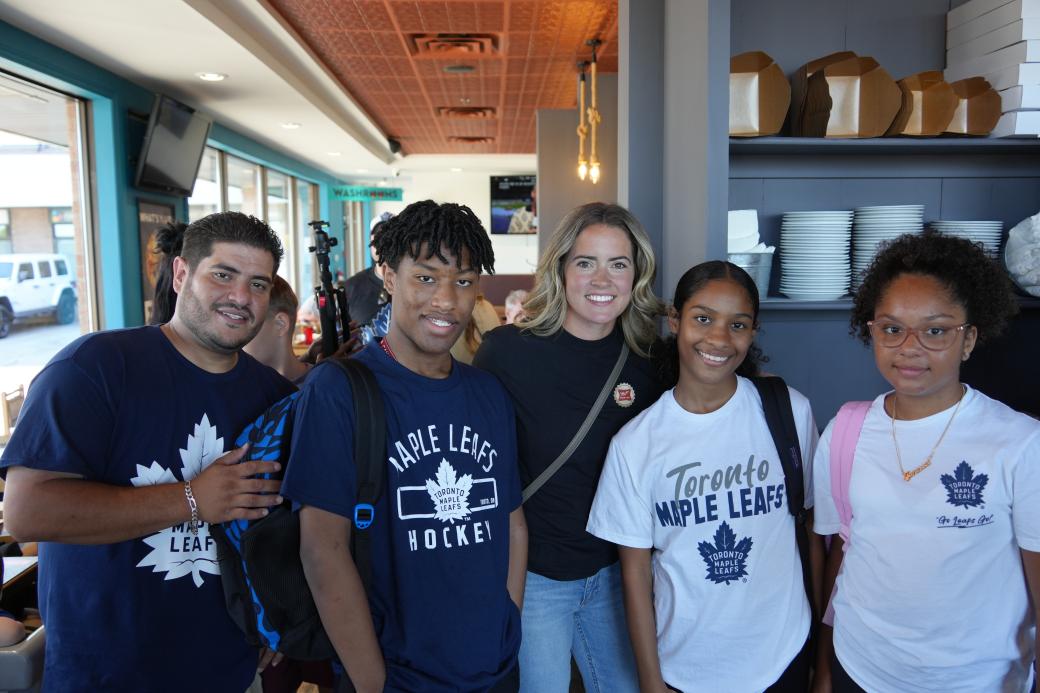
[[891, 334]]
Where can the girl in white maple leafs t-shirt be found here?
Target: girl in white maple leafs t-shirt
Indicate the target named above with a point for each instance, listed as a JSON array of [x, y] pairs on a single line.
[[694, 495], [934, 587]]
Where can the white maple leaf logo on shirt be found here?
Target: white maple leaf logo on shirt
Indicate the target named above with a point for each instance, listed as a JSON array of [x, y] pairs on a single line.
[[449, 493], [174, 550]]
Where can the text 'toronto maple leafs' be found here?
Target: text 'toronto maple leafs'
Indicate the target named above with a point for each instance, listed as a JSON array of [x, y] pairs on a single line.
[[450, 494]]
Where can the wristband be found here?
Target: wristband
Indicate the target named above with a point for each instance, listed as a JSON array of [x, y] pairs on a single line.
[[193, 524]]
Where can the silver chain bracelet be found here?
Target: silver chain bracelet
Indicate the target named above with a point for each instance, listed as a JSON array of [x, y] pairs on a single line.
[[193, 524]]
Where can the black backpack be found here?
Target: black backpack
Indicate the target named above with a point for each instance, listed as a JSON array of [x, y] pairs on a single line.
[[264, 584], [776, 403]]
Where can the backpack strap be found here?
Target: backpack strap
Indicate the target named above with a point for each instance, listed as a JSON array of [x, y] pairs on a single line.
[[844, 436], [776, 405], [369, 459], [847, 426]]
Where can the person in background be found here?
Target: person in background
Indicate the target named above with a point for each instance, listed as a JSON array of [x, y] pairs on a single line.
[[514, 305], [714, 590], [938, 574], [365, 288], [591, 305], [120, 463], [450, 544], [272, 345], [484, 318], [168, 242]]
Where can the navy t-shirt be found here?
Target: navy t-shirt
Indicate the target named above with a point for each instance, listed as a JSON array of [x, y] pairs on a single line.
[[125, 408], [440, 544]]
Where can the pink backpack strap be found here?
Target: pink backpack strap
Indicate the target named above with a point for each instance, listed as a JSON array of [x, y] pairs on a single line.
[[847, 427]]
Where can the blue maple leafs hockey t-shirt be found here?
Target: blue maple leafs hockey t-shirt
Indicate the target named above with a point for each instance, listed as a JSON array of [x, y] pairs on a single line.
[[125, 408], [440, 544]]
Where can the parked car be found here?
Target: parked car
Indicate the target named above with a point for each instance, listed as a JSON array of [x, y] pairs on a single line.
[[35, 284]]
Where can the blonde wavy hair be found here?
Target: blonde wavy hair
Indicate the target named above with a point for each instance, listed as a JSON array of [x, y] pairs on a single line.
[[546, 306]]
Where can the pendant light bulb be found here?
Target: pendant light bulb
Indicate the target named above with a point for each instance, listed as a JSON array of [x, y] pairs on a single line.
[[593, 172], [583, 169]]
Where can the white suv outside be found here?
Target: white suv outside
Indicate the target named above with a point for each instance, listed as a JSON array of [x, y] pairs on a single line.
[[35, 284]]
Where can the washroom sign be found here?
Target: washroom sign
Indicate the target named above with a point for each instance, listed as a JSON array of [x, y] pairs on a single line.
[[360, 193]]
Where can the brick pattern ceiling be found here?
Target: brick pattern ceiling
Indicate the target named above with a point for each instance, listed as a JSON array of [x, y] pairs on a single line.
[[391, 56]]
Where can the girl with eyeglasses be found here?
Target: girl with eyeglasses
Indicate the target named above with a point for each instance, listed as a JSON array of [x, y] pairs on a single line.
[[933, 584]]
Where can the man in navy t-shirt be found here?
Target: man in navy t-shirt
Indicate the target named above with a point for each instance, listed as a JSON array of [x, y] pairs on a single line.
[[120, 461], [449, 543]]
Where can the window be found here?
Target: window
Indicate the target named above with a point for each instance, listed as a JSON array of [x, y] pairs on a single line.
[[280, 219], [5, 232], [243, 187], [306, 211], [205, 198], [61, 267], [25, 271], [45, 268], [229, 183]]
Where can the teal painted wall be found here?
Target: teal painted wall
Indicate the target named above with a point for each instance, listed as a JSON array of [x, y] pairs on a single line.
[[115, 140]]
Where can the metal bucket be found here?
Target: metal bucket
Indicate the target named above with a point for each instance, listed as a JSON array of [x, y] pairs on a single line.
[[758, 265]]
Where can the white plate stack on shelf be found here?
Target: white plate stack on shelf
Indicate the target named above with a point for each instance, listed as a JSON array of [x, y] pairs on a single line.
[[872, 226], [999, 40], [814, 255], [988, 233]]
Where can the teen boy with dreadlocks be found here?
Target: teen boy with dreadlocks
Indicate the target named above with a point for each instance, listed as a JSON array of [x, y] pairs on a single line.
[[449, 544]]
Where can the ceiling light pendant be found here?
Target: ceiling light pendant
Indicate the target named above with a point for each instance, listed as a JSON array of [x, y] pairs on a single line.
[[211, 76], [583, 164], [593, 117]]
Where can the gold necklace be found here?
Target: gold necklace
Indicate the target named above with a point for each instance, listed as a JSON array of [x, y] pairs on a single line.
[[907, 476]]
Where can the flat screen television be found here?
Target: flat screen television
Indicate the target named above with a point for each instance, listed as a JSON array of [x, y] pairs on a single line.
[[512, 204], [172, 149]]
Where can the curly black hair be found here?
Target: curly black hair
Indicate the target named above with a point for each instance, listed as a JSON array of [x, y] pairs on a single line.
[[974, 280], [439, 226], [667, 358]]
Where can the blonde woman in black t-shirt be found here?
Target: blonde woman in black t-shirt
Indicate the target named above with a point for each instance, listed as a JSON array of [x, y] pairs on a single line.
[[593, 295]]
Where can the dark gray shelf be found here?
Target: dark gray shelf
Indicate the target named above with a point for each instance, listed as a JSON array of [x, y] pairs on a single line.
[[884, 145]]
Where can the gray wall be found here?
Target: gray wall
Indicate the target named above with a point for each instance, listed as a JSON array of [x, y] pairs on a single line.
[[559, 188]]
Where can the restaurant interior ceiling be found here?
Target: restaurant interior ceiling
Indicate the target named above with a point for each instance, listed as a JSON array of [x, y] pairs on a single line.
[[338, 83]]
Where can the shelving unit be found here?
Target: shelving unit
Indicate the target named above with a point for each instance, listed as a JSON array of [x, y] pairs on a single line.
[[953, 177]]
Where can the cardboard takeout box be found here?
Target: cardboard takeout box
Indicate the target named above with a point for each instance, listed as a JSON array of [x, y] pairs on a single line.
[[800, 89], [928, 105], [759, 95], [854, 97], [978, 107]]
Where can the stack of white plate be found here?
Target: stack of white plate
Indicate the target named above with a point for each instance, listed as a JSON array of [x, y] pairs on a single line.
[[988, 233], [814, 255], [873, 226]]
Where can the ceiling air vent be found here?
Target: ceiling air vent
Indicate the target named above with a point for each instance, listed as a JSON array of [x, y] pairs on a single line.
[[467, 112], [454, 45], [471, 140], [459, 69]]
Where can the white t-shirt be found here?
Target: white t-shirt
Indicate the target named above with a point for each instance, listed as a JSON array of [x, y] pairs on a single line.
[[931, 595], [707, 493]]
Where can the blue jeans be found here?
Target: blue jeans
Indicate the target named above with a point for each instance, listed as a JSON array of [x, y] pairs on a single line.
[[583, 617]]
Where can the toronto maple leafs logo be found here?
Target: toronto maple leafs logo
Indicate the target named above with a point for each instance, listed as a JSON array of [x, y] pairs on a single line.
[[450, 494], [174, 550], [964, 488], [726, 558]]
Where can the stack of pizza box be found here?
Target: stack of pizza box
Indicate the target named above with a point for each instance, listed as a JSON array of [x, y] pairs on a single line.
[[1000, 41]]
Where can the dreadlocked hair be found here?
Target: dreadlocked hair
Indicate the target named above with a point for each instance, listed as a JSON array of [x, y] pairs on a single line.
[[440, 227]]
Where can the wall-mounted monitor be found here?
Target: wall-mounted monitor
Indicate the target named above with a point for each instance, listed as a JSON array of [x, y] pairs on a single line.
[[513, 204], [172, 149]]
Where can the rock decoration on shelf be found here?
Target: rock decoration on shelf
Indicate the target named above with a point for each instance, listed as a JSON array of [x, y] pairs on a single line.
[[928, 105], [978, 107], [759, 95], [1022, 255], [845, 95], [799, 93]]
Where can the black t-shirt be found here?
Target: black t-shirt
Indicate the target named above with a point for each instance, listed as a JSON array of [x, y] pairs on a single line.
[[363, 291], [554, 381]]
